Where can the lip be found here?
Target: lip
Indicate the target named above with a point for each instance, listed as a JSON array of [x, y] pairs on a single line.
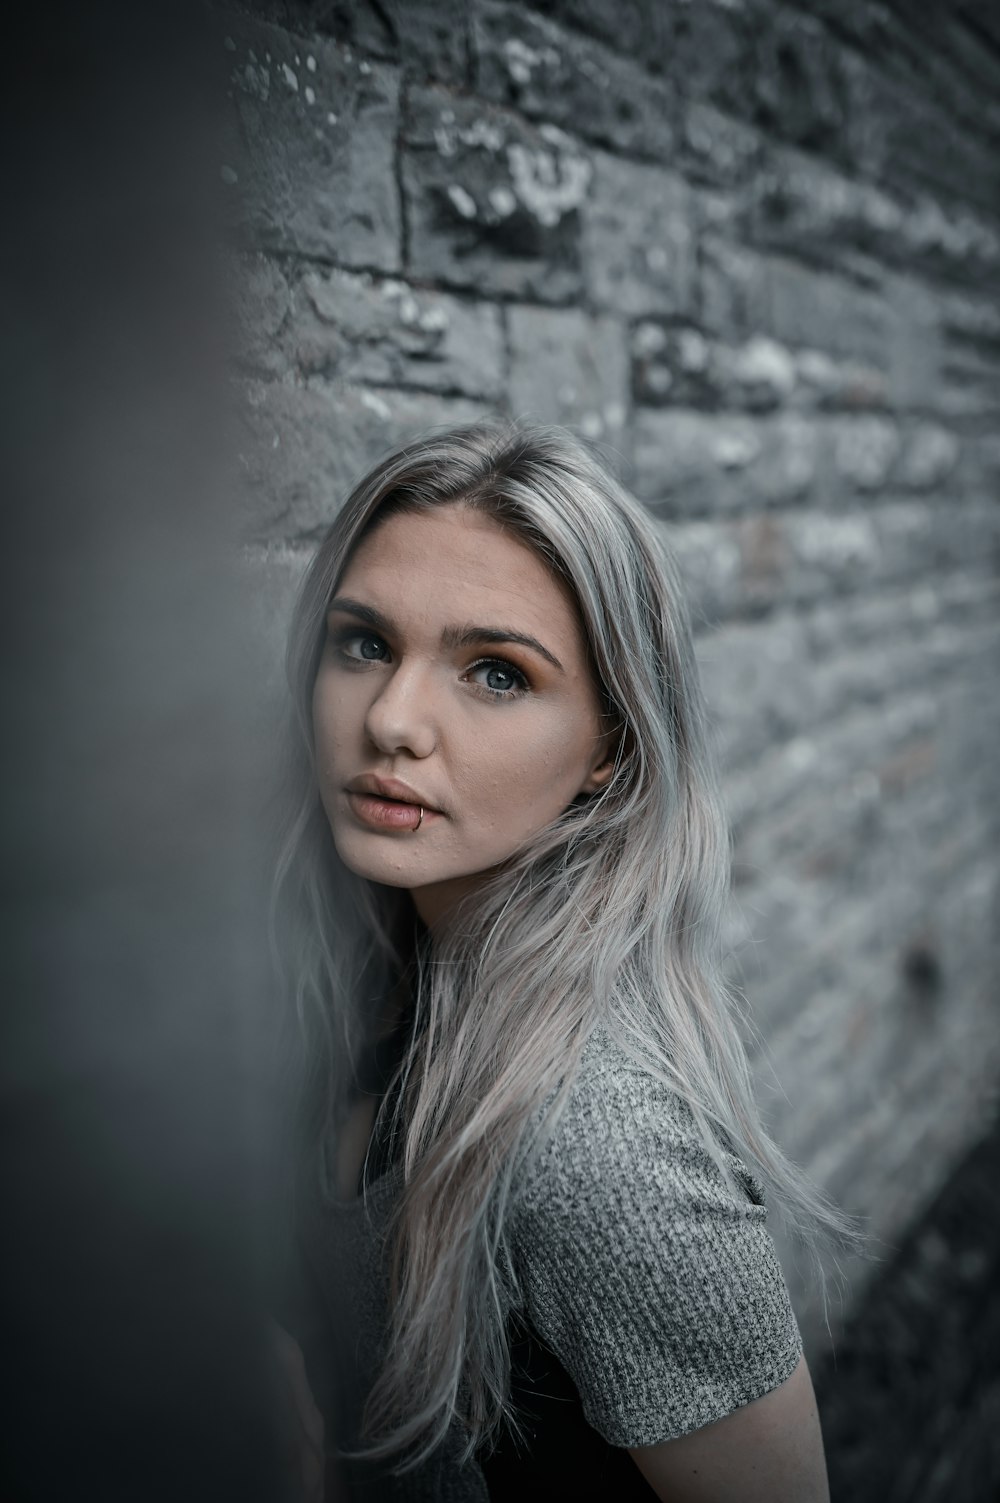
[[391, 788], [388, 814]]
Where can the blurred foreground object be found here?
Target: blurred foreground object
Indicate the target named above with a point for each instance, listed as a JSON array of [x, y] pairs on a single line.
[[137, 1356]]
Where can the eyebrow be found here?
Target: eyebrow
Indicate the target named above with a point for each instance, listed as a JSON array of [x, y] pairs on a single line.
[[451, 636]]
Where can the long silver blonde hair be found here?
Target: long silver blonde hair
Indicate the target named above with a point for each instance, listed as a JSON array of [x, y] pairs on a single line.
[[611, 914]]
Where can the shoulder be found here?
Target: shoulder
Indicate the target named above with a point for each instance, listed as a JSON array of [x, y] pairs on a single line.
[[651, 1276], [624, 1130]]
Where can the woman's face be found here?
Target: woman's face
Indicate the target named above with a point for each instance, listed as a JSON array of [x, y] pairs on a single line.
[[454, 662]]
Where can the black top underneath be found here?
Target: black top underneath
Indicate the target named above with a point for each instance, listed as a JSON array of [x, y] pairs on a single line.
[[560, 1451], [564, 1456]]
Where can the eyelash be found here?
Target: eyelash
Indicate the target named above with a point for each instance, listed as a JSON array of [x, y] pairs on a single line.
[[341, 638]]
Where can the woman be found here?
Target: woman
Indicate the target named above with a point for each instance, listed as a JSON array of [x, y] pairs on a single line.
[[533, 1184]]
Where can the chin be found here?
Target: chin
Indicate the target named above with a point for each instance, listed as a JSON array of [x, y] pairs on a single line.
[[376, 866]]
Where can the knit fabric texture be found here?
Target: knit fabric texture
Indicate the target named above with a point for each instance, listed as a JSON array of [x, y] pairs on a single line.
[[658, 1289]]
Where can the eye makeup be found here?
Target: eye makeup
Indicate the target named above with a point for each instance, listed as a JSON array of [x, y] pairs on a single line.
[[342, 637]]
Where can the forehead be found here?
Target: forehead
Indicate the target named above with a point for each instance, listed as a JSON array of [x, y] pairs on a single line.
[[456, 561]]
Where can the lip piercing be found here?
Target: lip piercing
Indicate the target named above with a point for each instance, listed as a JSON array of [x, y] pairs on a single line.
[[420, 821]]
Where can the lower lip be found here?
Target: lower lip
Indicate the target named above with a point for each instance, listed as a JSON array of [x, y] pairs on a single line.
[[387, 814]]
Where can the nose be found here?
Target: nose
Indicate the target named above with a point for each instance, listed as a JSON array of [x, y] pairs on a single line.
[[400, 717]]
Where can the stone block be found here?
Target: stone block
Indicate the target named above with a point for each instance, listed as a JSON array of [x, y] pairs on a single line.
[[731, 282], [866, 450], [968, 316], [261, 300], [749, 565], [794, 671], [307, 443], [689, 463], [432, 36], [978, 468], [423, 36], [797, 81], [676, 365], [966, 345], [745, 291], [708, 560], [717, 148], [806, 208], [901, 132], [711, 53], [804, 306], [380, 331], [315, 170], [639, 239], [929, 456], [912, 345], [637, 28], [568, 368], [803, 206], [492, 203], [556, 75], [761, 682]]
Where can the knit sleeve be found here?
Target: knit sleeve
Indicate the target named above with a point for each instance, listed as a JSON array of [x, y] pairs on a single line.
[[658, 1289]]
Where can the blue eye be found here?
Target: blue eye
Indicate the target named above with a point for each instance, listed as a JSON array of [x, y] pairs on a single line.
[[367, 639], [512, 681]]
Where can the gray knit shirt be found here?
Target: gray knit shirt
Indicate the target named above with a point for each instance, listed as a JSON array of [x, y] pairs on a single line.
[[658, 1289]]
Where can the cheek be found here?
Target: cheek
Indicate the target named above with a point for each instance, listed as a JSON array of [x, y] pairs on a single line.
[[533, 765]]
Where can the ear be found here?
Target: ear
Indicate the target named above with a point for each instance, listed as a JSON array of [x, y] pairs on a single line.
[[598, 776], [603, 766]]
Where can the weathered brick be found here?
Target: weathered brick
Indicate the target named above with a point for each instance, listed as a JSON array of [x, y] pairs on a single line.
[[797, 79], [638, 28], [929, 456], [745, 291], [711, 52], [803, 207], [556, 75], [308, 442], [815, 784], [900, 134], [730, 296], [423, 36], [356, 23], [699, 463], [749, 565], [978, 465], [716, 148], [261, 301], [865, 451], [968, 355], [492, 203], [568, 368], [804, 307], [432, 35], [638, 238], [967, 315], [677, 365], [380, 331], [316, 170], [911, 342], [791, 672]]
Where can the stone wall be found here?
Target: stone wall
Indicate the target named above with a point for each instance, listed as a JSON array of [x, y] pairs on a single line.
[[752, 249]]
